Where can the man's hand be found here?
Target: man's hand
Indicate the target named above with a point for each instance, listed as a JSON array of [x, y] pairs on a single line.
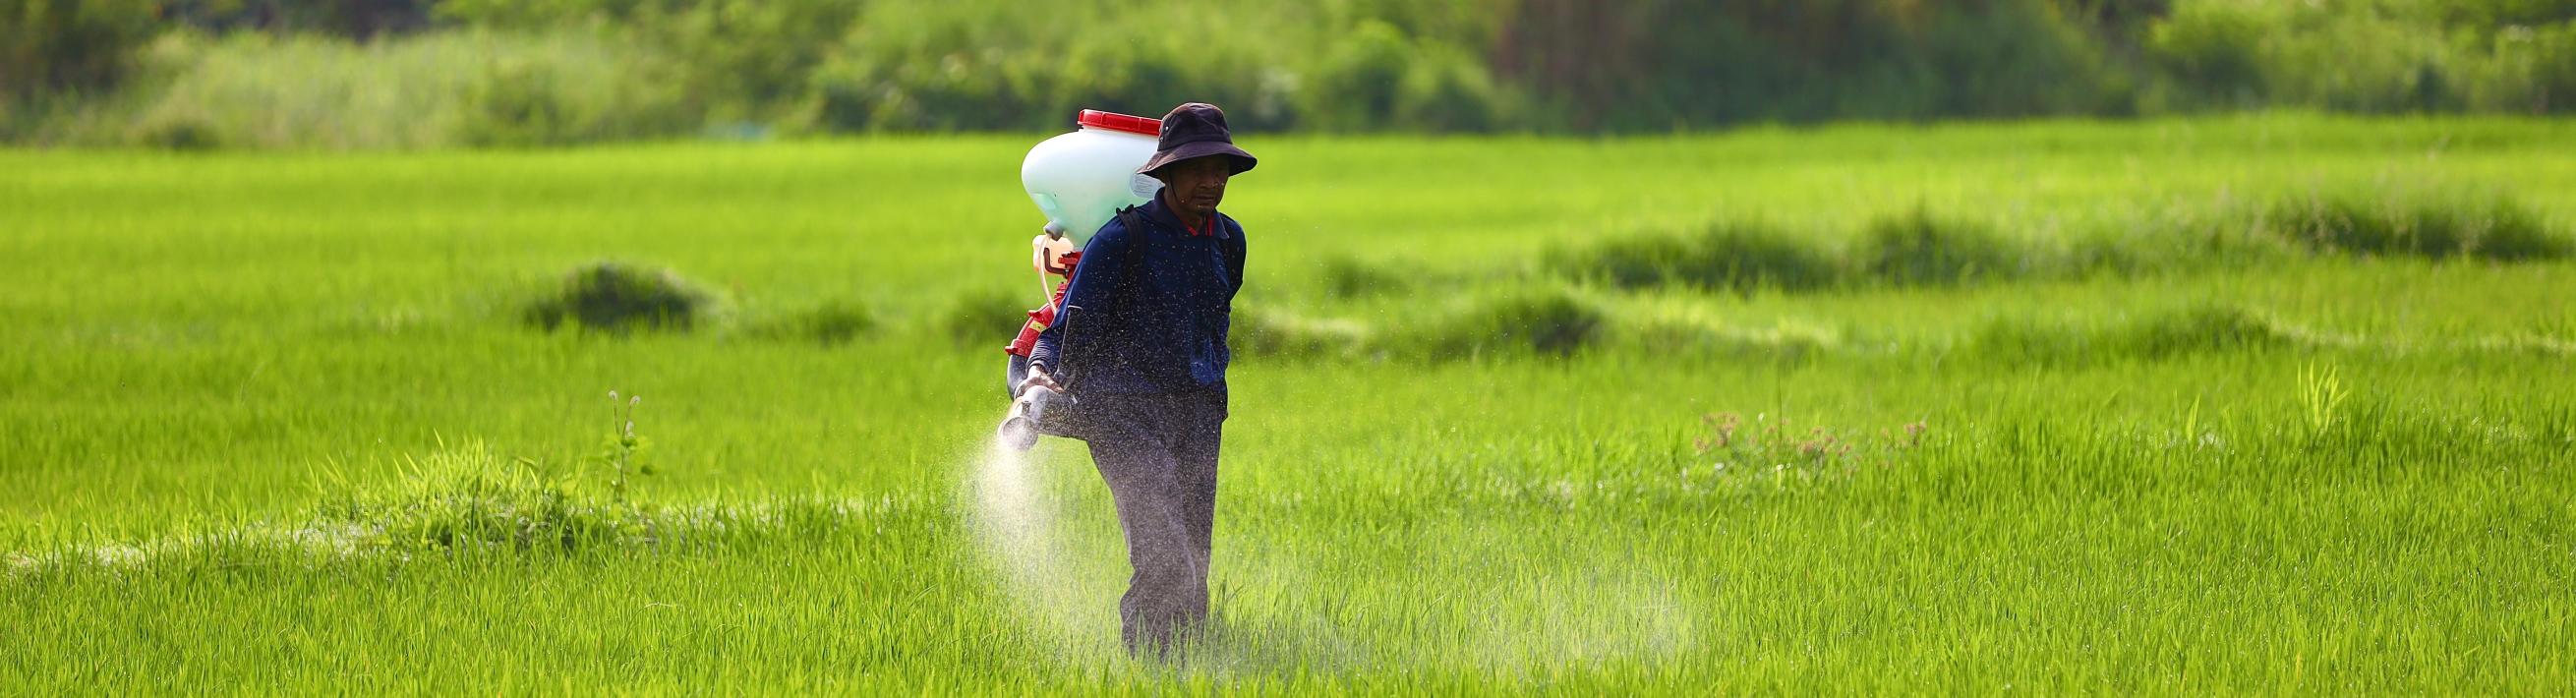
[[1038, 377]]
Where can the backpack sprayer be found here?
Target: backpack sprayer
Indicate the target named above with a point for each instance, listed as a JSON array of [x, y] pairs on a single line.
[[1079, 180]]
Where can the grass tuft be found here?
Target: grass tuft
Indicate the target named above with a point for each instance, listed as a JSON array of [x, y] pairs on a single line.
[[1260, 331], [617, 297], [1550, 322], [469, 497], [1684, 336], [2198, 327], [1348, 278], [831, 323], [1917, 248], [2194, 328], [1723, 256], [985, 317]]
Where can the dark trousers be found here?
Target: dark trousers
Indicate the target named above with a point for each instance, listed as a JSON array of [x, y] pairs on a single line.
[[1158, 454]]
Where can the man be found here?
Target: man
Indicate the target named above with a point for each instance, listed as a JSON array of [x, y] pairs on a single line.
[[1145, 324]]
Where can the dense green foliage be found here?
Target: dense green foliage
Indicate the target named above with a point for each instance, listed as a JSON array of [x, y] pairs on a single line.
[[275, 423], [2386, 56], [464, 88], [415, 73], [63, 45]]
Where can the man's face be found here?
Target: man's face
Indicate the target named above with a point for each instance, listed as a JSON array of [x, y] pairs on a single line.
[[1197, 184]]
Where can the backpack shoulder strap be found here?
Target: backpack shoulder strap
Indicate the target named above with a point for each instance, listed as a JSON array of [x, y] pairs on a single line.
[[1133, 219]]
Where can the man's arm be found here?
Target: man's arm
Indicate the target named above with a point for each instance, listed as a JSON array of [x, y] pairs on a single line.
[[1104, 263], [1234, 258]]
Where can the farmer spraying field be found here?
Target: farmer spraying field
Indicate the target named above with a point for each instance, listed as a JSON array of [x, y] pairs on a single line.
[[1132, 359]]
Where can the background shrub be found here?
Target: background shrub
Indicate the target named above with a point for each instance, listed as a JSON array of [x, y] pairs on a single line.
[[2372, 57], [420, 91], [2210, 54], [69, 45], [566, 71], [2533, 71]]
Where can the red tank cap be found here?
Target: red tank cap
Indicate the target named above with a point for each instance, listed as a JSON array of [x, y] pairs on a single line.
[[1120, 122]]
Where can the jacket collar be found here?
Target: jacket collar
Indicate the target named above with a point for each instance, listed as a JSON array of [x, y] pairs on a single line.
[[1170, 222]]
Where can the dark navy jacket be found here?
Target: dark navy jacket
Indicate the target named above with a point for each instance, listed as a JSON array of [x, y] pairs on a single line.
[[1149, 308]]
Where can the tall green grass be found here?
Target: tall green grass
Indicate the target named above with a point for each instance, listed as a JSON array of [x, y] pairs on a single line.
[[276, 423]]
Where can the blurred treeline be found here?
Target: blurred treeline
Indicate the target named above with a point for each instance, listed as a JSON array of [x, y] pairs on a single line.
[[420, 73]]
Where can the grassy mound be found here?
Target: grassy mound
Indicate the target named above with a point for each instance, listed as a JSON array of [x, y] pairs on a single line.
[[465, 500], [1549, 322], [2194, 328], [985, 318], [2199, 327], [1914, 248], [617, 297], [1697, 337], [469, 497], [1347, 278], [1260, 331], [1917, 248], [830, 323], [2497, 229], [1722, 256]]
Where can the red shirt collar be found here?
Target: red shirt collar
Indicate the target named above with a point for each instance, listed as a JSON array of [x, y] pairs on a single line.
[[1212, 227]]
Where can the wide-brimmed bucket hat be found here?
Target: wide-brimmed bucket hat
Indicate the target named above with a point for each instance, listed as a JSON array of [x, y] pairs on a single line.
[[1196, 130]]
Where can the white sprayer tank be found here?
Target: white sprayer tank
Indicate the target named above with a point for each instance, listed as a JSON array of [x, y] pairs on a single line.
[[1081, 179]]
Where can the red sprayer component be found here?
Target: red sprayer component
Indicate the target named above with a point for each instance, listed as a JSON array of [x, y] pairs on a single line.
[[1044, 316]]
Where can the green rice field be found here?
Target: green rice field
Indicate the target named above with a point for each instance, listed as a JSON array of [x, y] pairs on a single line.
[[2268, 404]]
